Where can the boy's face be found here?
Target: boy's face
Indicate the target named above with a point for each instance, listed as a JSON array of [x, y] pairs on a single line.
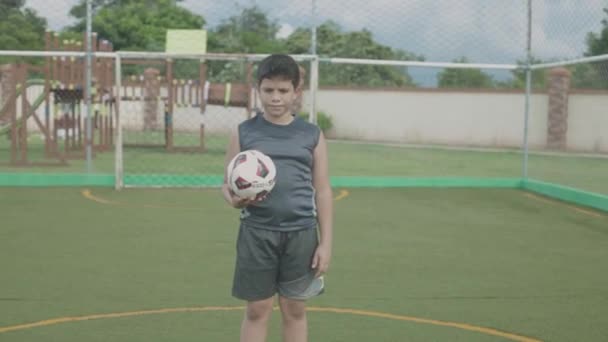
[[277, 96]]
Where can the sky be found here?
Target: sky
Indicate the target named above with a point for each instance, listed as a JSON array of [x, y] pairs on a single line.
[[484, 31]]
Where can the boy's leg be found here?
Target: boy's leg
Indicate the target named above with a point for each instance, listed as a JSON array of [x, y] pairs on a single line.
[[295, 324], [257, 264], [296, 276], [255, 279], [297, 283], [254, 327]]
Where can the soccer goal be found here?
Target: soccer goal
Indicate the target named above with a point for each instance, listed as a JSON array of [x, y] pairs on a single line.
[[177, 110]]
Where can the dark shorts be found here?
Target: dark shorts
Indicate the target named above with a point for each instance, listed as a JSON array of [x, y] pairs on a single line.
[[270, 262]]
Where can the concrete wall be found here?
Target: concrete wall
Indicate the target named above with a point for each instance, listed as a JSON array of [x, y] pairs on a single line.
[[489, 119], [588, 123], [458, 118]]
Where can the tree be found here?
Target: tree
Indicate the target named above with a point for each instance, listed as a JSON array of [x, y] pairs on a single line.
[[589, 76], [20, 28], [519, 76], [333, 42], [464, 78], [251, 31], [79, 11], [594, 75], [138, 25], [597, 43]]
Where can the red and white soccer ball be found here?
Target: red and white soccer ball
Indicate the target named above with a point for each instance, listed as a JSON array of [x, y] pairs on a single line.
[[251, 174]]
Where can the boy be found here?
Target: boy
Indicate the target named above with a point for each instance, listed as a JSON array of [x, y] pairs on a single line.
[[278, 249]]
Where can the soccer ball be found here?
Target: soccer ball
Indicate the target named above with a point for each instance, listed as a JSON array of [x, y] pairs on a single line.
[[251, 174]]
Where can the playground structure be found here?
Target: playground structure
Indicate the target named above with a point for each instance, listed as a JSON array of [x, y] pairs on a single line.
[[152, 88], [62, 94], [60, 82]]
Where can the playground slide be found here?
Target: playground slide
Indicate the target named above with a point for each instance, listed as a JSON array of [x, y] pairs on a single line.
[[4, 115]]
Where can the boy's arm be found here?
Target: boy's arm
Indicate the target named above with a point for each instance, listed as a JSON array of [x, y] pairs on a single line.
[[324, 202], [232, 150]]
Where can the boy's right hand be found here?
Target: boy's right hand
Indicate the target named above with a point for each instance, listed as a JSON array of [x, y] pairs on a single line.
[[240, 203]]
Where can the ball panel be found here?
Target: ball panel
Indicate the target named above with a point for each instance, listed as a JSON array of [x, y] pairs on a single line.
[[251, 174], [262, 169]]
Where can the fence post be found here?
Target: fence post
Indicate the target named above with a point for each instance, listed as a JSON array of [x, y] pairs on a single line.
[[557, 122], [8, 104], [151, 94]]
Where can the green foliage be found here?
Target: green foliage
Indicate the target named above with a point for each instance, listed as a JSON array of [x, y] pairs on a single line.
[[333, 42], [464, 78], [137, 25], [12, 3], [597, 43], [589, 76], [595, 75], [224, 72], [519, 76], [20, 28], [142, 24], [251, 31], [324, 121]]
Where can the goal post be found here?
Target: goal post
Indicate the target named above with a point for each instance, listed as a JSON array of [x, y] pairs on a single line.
[[177, 110]]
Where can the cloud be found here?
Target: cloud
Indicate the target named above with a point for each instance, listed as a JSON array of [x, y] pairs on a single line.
[[560, 27], [285, 30], [56, 12], [488, 31], [485, 31]]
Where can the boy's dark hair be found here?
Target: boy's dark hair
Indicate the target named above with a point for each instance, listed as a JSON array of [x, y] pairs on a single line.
[[279, 65]]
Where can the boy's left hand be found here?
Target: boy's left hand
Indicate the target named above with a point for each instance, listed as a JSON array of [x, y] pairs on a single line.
[[321, 259]]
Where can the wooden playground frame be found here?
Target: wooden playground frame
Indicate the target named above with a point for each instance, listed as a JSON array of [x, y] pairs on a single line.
[[63, 93], [181, 93], [63, 87]]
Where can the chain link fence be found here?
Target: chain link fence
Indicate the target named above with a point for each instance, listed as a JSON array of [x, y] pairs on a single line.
[[415, 88]]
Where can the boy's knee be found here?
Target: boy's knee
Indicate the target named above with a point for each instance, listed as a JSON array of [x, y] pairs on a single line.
[[259, 311], [293, 310]]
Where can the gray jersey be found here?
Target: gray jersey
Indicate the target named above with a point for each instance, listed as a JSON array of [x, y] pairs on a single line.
[[290, 205]]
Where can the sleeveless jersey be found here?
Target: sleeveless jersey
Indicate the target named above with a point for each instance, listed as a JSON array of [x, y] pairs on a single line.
[[291, 203]]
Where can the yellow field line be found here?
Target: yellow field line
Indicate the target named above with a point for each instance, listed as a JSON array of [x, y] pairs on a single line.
[[461, 326], [580, 210], [343, 194], [89, 195], [62, 320]]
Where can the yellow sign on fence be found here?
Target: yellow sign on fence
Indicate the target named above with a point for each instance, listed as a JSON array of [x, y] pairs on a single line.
[[186, 41]]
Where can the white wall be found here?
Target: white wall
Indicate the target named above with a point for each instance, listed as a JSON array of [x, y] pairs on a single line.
[[588, 123], [489, 119], [458, 118]]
